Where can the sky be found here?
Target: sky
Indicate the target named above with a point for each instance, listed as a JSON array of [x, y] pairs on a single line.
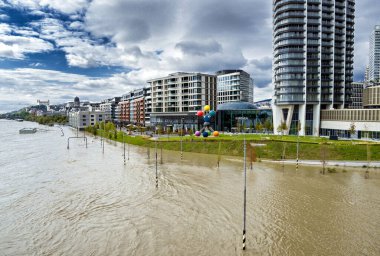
[[97, 49]]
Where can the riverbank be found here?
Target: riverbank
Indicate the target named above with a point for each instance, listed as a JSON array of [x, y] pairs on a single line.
[[259, 147]]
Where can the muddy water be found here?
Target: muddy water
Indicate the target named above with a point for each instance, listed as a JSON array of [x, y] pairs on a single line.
[[55, 201]]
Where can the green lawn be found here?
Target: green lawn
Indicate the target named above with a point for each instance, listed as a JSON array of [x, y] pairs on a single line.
[[310, 148]]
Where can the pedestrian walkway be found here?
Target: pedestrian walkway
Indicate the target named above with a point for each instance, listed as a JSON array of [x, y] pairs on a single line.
[[372, 164]]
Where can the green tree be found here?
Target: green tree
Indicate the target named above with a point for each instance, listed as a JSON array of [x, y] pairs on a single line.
[[259, 127], [352, 129], [282, 128], [268, 125]]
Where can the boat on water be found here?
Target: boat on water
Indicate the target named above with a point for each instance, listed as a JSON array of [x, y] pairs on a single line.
[[19, 120], [28, 130]]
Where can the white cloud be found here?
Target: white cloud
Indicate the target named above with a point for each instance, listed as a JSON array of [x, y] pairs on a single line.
[[26, 85], [16, 46], [66, 6], [4, 16], [15, 42]]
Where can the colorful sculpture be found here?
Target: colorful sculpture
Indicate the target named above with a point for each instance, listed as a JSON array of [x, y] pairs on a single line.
[[207, 130]]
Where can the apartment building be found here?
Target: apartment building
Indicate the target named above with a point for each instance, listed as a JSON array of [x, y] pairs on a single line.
[[176, 98], [313, 44], [82, 119], [134, 107], [234, 85], [374, 55], [108, 106], [371, 97], [356, 95]]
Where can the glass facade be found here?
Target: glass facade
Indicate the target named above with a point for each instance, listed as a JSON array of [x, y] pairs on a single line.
[[243, 120]]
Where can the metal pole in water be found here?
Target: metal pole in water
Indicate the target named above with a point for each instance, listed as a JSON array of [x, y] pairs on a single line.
[[298, 146], [156, 165], [161, 160], [181, 138], [245, 193], [124, 147]]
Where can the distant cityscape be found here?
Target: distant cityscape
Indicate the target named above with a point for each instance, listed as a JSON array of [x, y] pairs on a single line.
[[314, 92]]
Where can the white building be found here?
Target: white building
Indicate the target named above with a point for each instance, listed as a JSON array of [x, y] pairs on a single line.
[[357, 95], [313, 50], [106, 108], [234, 85], [339, 122], [82, 119], [374, 55], [176, 98]]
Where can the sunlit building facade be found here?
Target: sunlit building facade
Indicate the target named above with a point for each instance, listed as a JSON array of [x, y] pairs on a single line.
[[313, 44]]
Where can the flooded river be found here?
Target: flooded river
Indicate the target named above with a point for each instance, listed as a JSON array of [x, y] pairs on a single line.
[[55, 201]]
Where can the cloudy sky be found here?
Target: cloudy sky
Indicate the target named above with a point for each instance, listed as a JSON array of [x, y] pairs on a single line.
[[55, 49]]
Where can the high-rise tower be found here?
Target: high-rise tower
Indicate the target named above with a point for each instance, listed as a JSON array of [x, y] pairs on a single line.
[[374, 56], [313, 47]]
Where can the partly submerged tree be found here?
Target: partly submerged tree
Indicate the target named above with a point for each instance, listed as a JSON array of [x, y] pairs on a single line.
[[352, 129], [282, 128]]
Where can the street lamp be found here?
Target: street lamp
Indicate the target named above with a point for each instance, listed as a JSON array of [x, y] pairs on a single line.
[[181, 138]]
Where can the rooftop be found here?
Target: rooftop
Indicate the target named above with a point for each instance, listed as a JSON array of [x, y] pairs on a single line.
[[236, 105]]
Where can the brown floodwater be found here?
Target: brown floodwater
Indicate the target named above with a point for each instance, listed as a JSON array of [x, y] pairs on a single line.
[[55, 201]]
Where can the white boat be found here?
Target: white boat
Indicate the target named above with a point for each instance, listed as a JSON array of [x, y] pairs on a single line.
[[28, 130]]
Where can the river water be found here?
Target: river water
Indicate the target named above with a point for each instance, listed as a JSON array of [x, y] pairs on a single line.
[[55, 201]]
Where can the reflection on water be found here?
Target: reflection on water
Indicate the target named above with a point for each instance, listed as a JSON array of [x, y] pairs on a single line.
[[55, 201]]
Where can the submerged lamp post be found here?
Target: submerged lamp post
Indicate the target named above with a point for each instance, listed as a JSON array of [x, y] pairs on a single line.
[[253, 159], [124, 147], [181, 138], [156, 165], [298, 143], [245, 193]]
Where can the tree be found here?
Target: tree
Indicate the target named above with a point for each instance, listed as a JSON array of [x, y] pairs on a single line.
[[268, 125], [259, 127], [352, 129], [109, 127], [282, 128]]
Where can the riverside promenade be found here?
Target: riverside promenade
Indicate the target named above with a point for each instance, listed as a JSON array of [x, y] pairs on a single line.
[[361, 164]]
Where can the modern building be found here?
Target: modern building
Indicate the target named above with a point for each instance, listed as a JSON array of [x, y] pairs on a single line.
[[313, 44], [356, 95], [134, 107], [234, 85], [263, 104], [82, 119], [371, 97], [374, 55], [108, 106], [176, 98], [243, 117], [148, 105], [339, 122]]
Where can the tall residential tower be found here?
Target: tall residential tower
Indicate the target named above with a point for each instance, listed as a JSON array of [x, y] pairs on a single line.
[[374, 56], [313, 46]]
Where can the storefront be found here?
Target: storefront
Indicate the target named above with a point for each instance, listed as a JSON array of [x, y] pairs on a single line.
[[243, 117]]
